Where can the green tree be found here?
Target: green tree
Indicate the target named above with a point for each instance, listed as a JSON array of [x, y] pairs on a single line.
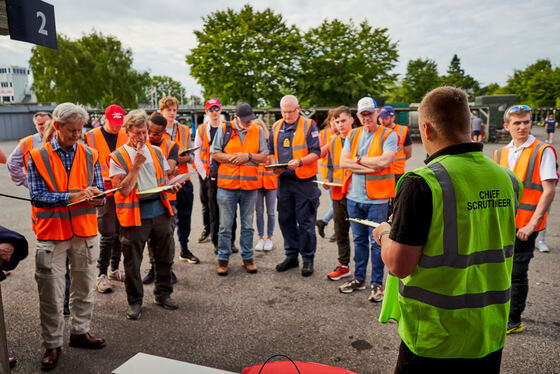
[[93, 70], [165, 86], [342, 62], [537, 85], [456, 77], [421, 77], [245, 56]]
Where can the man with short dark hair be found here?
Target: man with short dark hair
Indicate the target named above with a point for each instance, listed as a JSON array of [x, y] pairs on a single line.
[[239, 147], [450, 245]]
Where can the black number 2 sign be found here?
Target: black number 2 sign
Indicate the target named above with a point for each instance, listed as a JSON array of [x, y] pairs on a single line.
[[32, 21]]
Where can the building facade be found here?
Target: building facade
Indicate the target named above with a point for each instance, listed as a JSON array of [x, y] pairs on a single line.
[[14, 85]]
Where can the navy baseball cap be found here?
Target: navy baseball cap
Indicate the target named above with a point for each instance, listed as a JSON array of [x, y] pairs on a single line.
[[387, 111]]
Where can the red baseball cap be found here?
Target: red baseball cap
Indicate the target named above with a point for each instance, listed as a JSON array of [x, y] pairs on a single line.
[[114, 114], [212, 102]]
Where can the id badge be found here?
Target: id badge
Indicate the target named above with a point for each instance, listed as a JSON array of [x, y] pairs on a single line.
[[286, 143]]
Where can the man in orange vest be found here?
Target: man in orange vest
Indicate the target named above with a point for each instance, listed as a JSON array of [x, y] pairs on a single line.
[[368, 154], [61, 172], [534, 162], [208, 181], [239, 147], [17, 161], [343, 121], [404, 142], [294, 141], [156, 128], [180, 134], [325, 136], [136, 167], [105, 140]]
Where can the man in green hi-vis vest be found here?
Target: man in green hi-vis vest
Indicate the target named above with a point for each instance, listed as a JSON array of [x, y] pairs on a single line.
[[450, 248]]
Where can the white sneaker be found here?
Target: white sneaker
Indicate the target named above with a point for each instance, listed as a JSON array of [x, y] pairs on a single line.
[[117, 275], [543, 247], [260, 245], [102, 285], [268, 245]]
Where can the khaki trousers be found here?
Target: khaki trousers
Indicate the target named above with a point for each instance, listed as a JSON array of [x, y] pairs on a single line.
[[50, 268]]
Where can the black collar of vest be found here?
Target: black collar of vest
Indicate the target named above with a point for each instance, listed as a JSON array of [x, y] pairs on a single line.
[[456, 149]]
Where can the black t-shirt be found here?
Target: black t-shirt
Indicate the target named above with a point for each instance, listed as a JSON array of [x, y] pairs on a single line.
[[111, 139], [212, 133], [412, 212]]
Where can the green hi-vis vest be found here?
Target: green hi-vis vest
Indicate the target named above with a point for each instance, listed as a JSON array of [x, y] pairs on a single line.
[[455, 304]]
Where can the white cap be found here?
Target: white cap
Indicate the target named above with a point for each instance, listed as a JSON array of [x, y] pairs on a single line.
[[367, 104]]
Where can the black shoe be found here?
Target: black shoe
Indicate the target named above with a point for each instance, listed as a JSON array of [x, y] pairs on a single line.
[[321, 227], [134, 311], [173, 277], [187, 256], [307, 269], [12, 362], [234, 249], [149, 278], [166, 302], [66, 310], [288, 263], [204, 237]]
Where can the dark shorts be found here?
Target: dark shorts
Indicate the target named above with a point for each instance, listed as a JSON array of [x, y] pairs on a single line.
[[549, 130], [477, 132]]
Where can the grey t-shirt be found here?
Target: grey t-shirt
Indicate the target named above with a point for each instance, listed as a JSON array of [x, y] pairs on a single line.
[[476, 124]]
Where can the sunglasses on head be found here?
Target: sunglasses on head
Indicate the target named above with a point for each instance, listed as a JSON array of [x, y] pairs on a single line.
[[214, 109], [517, 108]]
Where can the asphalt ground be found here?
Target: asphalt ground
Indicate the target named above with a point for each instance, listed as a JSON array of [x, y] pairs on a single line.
[[240, 320]]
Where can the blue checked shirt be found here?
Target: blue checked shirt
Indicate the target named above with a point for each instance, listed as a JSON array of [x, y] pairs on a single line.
[[41, 197]]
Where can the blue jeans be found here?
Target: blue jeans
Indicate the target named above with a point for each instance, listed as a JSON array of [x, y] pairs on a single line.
[[227, 203], [329, 215], [363, 239], [268, 196]]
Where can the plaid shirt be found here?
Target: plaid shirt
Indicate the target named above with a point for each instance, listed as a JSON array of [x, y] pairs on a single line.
[[41, 197]]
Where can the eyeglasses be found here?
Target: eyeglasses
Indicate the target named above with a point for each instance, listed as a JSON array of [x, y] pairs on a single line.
[[289, 111], [214, 109], [517, 108]]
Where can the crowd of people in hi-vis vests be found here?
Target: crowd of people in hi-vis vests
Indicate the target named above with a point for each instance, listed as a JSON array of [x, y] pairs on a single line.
[[455, 287]]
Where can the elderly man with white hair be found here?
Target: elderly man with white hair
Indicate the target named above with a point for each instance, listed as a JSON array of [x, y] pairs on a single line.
[[64, 178], [294, 141]]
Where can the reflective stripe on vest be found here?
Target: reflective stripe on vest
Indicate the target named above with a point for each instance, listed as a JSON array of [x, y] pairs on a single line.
[[527, 168], [299, 146], [338, 173], [267, 179], [182, 139], [96, 140], [245, 177], [62, 223], [25, 145], [326, 136], [399, 164]]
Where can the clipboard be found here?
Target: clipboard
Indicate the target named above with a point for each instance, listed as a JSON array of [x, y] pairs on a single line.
[[364, 222], [184, 152], [275, 166], [105, 193], [332, 184], [177, 179]]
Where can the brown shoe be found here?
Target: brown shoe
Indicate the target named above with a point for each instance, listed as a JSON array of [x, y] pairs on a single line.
[[50, 358], [86, 341], [222, 267], [250, 266]]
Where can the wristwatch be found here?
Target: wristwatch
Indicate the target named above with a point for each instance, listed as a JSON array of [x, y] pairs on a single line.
[[250, 156], [358, 159], [300, 162]]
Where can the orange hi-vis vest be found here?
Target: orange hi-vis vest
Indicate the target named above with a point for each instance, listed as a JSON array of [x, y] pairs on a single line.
[[338, 173], [400, 158], [245, 177], [299, 145], [325, 137], [26, 145], [96, 140], [63, 223], [166, 146], [128, 207], [205, 148], [182, 140], [527, 168], [267, 178], [379, 185]]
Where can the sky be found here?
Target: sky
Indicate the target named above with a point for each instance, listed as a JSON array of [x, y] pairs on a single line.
[[492, 38]]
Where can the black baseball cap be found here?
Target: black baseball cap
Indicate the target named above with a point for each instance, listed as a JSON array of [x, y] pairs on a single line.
[[244, 112]]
